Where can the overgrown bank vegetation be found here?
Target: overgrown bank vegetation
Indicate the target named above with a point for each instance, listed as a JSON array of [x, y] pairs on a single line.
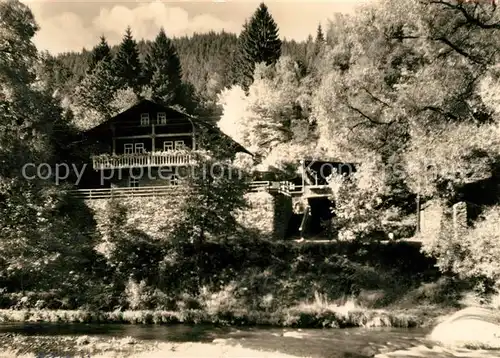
[[249, 282], [249, 277], [408, 89]]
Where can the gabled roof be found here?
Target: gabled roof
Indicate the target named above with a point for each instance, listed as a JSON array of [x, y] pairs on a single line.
[[171, 112]]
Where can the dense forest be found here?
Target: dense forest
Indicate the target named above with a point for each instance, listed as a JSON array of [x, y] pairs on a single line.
[[201, 56], [406, 89], [205, 59]]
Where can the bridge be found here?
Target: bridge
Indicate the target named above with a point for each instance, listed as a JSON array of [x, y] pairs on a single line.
[[282, 187]]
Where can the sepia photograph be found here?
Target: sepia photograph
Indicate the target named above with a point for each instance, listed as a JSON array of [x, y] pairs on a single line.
[[250, 179]]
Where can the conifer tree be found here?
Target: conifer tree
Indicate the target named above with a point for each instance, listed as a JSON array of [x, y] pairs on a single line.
[[320, 37], [263, 42], [95, 94], [101, 52], [242, 67], [319, 42], [126, 65], [314, 50], [258, 42], [163, 72]]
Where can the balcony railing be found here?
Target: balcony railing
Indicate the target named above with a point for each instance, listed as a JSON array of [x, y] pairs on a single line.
[[153, 159]]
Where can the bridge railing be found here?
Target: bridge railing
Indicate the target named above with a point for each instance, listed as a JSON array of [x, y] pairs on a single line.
[[283, 187], [107, 193], [154, 191]]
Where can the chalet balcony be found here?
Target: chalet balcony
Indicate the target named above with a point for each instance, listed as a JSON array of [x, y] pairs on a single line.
[[151, 159]]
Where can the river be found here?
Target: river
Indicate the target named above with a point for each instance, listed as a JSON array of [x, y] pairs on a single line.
[[327, 343]]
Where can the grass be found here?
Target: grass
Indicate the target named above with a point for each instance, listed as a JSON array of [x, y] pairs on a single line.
[[418, 307], [320, 313]]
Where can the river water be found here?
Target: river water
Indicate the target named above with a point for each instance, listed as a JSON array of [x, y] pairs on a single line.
[[326, 343]]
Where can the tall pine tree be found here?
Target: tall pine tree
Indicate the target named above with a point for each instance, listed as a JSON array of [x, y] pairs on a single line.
[[320, 37], [258, 42], [319, 42], [314, 51], [163, 72], [93, 96], [126, 65], [243, 66], [101, 52]]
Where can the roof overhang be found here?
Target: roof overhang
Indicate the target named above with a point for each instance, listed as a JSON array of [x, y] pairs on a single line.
[[171, 112]]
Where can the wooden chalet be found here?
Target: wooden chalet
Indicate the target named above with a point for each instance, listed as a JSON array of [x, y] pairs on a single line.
[[139, 152], [138, 147]]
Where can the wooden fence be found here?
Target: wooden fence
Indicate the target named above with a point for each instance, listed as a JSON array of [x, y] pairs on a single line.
[[285, 188]]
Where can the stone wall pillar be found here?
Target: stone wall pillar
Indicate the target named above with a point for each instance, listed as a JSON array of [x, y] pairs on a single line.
[[459, 219], [431, 220], [283, 209], [267, 213], [435, 215]]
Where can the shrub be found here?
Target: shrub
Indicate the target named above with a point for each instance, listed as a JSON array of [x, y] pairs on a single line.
[[363, 204], [138, 295], [223, 301], [474, 255]]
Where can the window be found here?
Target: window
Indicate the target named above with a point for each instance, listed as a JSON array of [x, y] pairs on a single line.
[[139, 148], [168, 145], [174, 180], [133, 182], [162, 118], [128, 148], [144, 119], [179, 145]]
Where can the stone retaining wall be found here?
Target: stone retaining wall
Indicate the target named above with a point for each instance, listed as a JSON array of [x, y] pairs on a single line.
[[154, 216]]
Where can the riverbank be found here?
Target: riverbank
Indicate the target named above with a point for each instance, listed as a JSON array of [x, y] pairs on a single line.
[[106, 341], [312, 286], [150, 341], [73, 346], [346, 316]]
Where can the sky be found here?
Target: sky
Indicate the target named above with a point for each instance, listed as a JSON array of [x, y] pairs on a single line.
[[72, 25]]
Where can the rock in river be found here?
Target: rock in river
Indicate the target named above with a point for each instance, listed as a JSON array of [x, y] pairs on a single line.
[[472, 327]]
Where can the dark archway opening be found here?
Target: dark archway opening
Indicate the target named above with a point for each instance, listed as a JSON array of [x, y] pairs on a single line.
[[321, 218], [317, 224]]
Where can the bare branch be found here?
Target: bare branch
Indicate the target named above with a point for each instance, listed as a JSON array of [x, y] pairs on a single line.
[[373, 121], [469, 17], [440, 111], [458, 50], [357, 125], [376, 98]]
